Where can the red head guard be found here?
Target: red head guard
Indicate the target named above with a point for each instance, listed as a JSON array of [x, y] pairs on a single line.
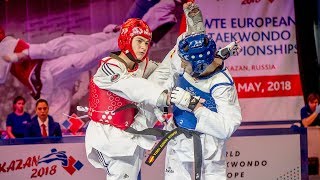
[[129, 29], [2, 33]]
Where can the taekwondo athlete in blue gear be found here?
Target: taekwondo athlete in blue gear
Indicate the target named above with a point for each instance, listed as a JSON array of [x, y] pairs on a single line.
[[199, 50], [215, 119], [205, 102], [206, 108]]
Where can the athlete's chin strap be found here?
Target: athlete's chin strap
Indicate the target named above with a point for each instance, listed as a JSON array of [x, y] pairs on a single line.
[[195, 75], [131, 57]]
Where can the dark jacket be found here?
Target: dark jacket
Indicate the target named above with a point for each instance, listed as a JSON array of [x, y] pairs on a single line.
[[33, 128]]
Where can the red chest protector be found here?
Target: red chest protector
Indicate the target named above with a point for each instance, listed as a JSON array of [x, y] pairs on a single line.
[[27, 72], [108, 108]]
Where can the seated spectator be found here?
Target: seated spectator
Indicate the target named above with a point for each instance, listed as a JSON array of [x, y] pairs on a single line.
[[310, 113], [43, 125], [18, 119]]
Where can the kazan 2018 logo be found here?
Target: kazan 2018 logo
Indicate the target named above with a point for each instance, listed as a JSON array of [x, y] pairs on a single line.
[[68, 163], [43, 166]]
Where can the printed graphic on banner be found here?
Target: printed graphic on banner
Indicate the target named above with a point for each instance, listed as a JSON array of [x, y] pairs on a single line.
[[267, 67], [254, 156], [274, 163], [47, 165], [68, 163], [268, 86], [73, 124]]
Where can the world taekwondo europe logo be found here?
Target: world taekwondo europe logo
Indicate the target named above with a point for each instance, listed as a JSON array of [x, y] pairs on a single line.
[[70, 164]]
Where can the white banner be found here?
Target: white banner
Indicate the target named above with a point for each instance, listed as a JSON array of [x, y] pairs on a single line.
[[47, 161], [252, 158], [264, 157], [266, 72], [248, 157]]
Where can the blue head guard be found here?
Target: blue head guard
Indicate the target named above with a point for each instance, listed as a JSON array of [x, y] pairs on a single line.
[[199, 50]]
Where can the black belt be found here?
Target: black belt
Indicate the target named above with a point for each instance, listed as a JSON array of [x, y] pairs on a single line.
[[167, 136]]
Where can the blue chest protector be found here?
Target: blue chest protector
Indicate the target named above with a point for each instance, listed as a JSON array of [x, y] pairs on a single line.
[[185, 119]]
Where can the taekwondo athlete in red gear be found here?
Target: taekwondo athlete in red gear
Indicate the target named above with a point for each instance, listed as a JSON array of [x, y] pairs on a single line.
[[117, 91], [28, 73], [53, 79], [63, 60], [197, 75]]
